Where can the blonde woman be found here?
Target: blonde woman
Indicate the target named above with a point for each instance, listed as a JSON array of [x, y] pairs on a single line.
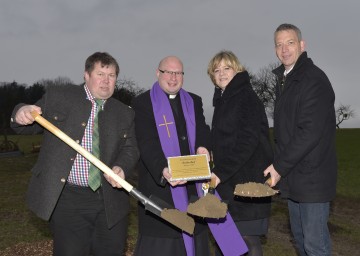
[[240, 145]]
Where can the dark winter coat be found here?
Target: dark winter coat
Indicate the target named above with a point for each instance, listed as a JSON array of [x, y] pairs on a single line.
[[241, 146], [69, 110], [304, 127], [153, 161]]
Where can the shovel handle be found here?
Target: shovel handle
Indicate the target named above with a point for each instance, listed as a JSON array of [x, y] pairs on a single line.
[[181, 220], [268, 182], [212, 186], [90, 157]]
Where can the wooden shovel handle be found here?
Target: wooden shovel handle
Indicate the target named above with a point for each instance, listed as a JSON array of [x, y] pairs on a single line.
[[213, 182], [268, 182], [91, 158], [212, 185]]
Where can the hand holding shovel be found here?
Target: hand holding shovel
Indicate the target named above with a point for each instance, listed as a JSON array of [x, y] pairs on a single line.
[[209, 206], [253, 189], [173, 216]]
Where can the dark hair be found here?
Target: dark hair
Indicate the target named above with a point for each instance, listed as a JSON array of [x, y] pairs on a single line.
[[104, 58], [287, 26]]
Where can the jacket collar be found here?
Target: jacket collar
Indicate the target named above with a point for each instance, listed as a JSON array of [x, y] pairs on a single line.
[[234, 87], [279, 71]]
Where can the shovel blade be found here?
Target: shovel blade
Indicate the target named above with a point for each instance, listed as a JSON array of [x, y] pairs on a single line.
[[252, 189], [162, 209], [149, 204]]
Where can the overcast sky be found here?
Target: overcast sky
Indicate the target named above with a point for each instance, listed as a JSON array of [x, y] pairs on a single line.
[[43, 39]]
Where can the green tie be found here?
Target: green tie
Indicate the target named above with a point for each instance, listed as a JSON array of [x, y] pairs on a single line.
[[94, 180]]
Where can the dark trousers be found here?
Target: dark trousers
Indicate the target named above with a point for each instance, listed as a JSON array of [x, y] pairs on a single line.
[[79, 225], [151, 246], [309, 226]]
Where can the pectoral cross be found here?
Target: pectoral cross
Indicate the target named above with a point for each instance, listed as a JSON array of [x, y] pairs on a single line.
[[166, 124]]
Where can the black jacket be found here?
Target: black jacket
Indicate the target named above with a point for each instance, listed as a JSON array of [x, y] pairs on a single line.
[[241, 146], [153, 161], [304, 130], [69, 110]]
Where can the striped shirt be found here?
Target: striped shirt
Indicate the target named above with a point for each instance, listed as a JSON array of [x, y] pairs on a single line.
[[80, 170]]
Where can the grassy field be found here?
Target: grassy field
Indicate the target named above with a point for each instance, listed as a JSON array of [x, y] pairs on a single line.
[[20, 229], [17, 224]]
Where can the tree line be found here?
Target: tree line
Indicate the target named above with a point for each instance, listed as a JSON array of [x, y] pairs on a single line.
[[13, 93], [264, 84]]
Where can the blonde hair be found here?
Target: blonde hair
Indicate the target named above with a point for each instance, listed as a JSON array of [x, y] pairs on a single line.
[[230, 60]]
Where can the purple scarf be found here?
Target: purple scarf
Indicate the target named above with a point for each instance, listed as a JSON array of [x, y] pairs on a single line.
[[224, 231]]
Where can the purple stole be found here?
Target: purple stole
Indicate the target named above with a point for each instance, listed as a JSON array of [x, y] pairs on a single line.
[[224, 230]]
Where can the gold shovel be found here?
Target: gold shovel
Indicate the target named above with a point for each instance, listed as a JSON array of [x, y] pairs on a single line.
[[253, 189], [173, 216], [208, 206]]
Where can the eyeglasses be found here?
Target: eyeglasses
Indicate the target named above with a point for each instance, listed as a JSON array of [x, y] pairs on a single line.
[[170, 73]]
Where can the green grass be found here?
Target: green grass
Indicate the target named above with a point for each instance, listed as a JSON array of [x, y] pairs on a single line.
[[18, 224], [348, 153]]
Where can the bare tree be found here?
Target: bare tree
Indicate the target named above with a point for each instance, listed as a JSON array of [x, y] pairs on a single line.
[[59, 81], [264, 84], [126, 90], [343, 113]]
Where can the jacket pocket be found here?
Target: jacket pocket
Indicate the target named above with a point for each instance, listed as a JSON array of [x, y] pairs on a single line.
[[57, 117], [123, 135], [306, 166]]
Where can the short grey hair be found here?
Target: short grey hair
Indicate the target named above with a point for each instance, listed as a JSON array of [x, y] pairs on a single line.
[[287, 26]]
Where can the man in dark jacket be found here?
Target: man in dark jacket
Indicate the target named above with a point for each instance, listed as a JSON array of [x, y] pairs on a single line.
[[85, 218], [305, 163], [157, 237]]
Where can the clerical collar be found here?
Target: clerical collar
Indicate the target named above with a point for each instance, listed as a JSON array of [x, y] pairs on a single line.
[[172, 96]]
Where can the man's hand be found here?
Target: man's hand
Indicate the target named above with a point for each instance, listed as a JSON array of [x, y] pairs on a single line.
[[119, 172], [167, 176], [201, 151], [23, 115], [275, 176]]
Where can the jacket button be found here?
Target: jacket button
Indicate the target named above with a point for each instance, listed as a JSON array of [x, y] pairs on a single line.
[[72, 159], [55, 118], [77, 141], [83, 124], [63, 180], [183, 137], [125, 135]]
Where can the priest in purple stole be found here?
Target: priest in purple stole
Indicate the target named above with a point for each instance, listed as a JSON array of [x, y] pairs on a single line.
[[170, 122]]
